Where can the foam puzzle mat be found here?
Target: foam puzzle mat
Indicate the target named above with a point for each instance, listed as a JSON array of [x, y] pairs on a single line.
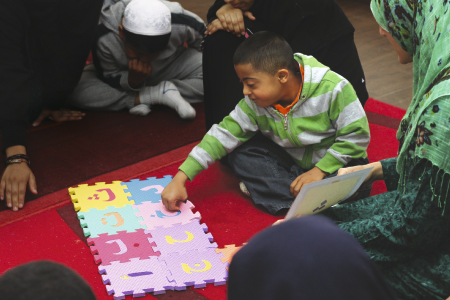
[[140, 245]]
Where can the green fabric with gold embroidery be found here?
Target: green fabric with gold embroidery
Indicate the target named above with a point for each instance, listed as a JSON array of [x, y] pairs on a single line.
[[406, 231]]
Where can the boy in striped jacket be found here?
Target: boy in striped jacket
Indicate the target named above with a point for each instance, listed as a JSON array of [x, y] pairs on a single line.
[[298, 123]]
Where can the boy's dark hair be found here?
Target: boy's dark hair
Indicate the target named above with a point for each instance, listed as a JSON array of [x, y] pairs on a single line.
[[266, 51], [149, 44], [44, 280]]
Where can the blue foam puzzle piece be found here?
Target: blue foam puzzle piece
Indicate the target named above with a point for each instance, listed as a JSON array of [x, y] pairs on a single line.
[[110, 220], [148, 190]]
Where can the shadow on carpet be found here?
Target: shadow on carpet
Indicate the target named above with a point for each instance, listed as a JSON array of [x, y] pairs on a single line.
[[65, 154]]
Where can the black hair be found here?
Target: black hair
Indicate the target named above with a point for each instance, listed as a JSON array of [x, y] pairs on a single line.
[[44, 280], [146, 43], [267, 52]]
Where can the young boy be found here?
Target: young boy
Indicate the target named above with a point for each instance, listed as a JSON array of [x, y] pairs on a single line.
[[147, 52], [310, 118]]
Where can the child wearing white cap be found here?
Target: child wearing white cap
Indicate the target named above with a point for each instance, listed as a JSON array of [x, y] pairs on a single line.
[[147, 52]]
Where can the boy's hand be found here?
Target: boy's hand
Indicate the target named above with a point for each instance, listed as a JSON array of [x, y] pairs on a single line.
[[232, 19], [175, 192], [138, 71], [315, 174]]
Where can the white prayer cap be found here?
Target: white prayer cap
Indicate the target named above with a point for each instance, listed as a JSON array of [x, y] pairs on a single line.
[[147, 17]]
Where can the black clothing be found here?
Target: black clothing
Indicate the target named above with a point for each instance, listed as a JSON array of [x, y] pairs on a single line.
[[305, 258], [43, 50], [318, 28], [306, 25]]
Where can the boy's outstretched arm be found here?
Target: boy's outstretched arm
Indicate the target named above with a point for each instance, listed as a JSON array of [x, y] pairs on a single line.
[[315, 174], [175, 192]]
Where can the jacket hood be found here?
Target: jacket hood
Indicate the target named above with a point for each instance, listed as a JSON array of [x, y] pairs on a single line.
[[111, 14], [314, 73]]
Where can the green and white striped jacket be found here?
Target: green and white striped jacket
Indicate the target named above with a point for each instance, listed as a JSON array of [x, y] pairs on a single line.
[[326, 128]]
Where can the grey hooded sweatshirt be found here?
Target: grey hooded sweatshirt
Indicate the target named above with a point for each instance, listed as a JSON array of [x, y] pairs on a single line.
[[109, 53]]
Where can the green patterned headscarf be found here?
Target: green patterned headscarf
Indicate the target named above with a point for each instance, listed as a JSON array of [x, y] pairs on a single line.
[[422, 28]]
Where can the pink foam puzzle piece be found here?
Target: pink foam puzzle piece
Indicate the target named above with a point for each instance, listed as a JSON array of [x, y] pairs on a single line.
[[182, 237], [136, 278], [195, 267], [156, 215], [121, 247], [229, 251]]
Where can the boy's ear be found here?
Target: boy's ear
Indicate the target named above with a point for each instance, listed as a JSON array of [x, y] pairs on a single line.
[[283, 75], [121, 35]]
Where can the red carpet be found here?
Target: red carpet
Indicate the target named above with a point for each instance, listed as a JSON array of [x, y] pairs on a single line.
[[231, 217], [104, 142]]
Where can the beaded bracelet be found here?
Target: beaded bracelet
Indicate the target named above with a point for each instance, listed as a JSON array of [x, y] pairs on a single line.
[[17, 159]]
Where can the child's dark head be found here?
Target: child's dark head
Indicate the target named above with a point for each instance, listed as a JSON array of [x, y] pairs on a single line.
[[44, 280], [267, 52], [145, 29], [265, 64]]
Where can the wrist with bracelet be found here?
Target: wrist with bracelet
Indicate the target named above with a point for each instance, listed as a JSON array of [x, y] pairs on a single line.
[[17, 159]]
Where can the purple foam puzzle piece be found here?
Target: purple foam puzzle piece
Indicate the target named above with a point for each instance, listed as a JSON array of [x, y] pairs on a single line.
[[196, 268], [180, 238], [156, 215], [147, 190], [136, 278], [122, 247]]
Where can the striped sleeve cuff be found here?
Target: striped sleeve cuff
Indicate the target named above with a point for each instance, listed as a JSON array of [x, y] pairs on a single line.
[[329, 164], [191, 168]]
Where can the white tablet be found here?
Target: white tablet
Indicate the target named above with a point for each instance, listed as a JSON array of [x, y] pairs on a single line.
[[317, 196]]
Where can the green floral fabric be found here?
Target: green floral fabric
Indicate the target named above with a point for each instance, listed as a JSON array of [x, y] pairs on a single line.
[[405, 234], [422, 28], [406, 231]]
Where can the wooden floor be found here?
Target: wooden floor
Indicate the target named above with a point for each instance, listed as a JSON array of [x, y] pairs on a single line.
[[387, 79]]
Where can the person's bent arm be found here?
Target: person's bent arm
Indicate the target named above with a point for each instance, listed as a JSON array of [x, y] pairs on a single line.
[[195, 29], [231, 19], [390, 175], [16, 88], [375, 174], [116, 77]]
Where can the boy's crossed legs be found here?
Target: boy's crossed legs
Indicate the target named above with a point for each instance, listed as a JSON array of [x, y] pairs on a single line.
[[267, 171]]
